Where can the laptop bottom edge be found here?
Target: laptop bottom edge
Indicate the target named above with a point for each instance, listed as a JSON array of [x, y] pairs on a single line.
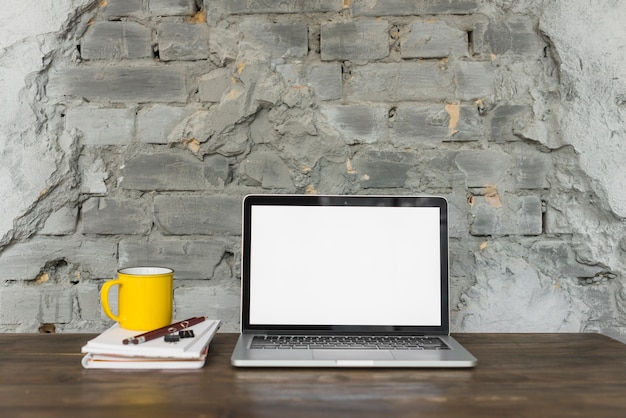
[[454, 357]]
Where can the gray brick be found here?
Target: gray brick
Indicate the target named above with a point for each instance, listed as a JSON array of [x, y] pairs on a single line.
[[483, 168], [474, 80], [437, 170], [516, 216], [178, 170], [183, 41], [324, 79], [418, 125], [116, 40], [559, 257], [25, 261], [507, 121], [399, 82], [280, 40], [383, 169], [156, 122], [135, 84], [172, 7], [191, 215], [358, 124], [213, 301], [190, 259], [101, 127], [355, 41], [412, 7], [465, 123], [55, 304], [294, 6], [61, 222], [434, 39], [88, 299], [92, 174], [109, 216], [531, 171], [517, 37], [266, 169], [18, 304], [213, 85], [121, 8]]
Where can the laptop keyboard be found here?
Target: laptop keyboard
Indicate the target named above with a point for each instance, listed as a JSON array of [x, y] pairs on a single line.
[[273, 342]]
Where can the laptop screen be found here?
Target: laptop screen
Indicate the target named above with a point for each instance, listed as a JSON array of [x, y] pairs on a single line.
[[344, 262]]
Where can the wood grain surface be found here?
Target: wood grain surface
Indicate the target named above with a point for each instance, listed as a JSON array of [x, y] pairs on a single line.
[[527, 375]]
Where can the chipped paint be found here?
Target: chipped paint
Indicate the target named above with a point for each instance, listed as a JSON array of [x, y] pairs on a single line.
[[454, 112], [42, 278], [199, 17], [492, 197], [349, 167]]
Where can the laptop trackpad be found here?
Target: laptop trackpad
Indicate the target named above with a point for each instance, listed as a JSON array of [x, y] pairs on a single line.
[[352, 355]]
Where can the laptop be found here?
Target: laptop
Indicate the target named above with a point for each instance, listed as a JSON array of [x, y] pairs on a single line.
[[345, 281]]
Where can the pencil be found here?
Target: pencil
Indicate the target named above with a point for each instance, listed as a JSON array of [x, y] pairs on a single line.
[[168, 329]]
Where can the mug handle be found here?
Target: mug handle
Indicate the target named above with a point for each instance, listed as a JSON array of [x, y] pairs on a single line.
[[104, 298]]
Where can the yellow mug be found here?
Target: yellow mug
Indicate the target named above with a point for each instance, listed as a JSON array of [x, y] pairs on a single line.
[[145, 297]]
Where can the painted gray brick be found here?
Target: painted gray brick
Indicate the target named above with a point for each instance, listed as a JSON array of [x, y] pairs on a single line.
[[61, 222], [112, 216], [412, 7], [135, 84], [213, 85], [437, 170], [531, 171], [101, 127], [172, 7], [483, 168], [418, 125], [116, 40], [55, 304], [294, 6], [517, 216], [517, 37], [182, 41], [355, 41], [218, 301], [18, 303], [178, 170], [25, 261], [324, 79], [434, 39], [191, 215], [401, 81], [383, 169], [121, 8], [266, 169], [155, 122], [507, 121], [474, 80], [280, 40], [88, 298], [358, 124], [559, 256], [190, 259]]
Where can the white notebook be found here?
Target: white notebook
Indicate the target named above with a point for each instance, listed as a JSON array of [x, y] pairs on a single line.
[[107, 350]]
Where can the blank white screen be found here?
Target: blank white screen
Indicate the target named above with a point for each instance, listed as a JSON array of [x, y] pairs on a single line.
[[334, 265]]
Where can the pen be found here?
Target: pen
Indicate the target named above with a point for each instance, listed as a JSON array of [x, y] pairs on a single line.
[[168, 329]]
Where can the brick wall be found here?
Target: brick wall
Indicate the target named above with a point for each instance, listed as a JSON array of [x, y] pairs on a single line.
[[174, 110]]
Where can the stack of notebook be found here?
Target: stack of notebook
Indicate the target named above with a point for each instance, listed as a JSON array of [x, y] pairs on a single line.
[[109, 351]]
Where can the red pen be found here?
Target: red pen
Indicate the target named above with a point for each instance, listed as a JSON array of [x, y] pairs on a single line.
[[168, 329]]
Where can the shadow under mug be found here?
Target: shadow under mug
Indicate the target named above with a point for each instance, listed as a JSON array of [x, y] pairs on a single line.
[[145, 297]]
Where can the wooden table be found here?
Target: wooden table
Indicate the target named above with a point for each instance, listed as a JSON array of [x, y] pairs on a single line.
[[529, 375]]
